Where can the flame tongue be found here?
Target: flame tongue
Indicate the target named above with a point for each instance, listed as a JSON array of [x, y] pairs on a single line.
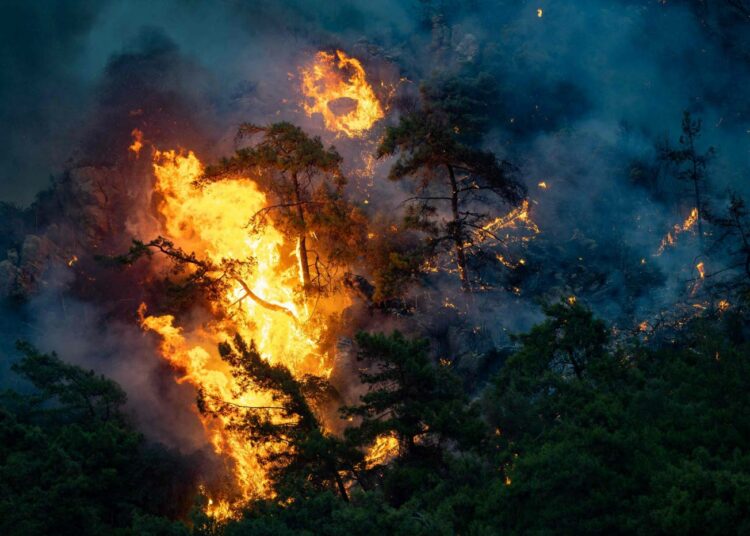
[[335, 86], [212, 222]]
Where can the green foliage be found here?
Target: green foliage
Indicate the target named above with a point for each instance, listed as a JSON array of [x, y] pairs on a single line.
[[284, 147], [591, 437], [436, 147], [309, 459], [70, 463], [577, 434], [641, 441], [421, 404], [77, 394]]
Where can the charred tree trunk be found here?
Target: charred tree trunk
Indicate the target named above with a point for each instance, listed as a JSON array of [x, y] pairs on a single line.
[[341, 486], [459, 244], [304, 265], [695, 177], [696, 186]]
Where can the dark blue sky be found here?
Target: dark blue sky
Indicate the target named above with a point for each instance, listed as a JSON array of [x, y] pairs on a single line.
[[586, 67]]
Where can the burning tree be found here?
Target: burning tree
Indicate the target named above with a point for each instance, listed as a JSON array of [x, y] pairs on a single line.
[[306, 181], [215, 279], [300, 454], [691, 165], [435, 149]]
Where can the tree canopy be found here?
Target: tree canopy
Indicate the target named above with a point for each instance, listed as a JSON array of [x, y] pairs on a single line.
[[456, 184]]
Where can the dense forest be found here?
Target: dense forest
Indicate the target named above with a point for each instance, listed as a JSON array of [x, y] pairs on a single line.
[[435, 268], [576, 433]]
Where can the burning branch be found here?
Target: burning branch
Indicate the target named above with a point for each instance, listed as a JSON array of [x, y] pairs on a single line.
[[201, 270]]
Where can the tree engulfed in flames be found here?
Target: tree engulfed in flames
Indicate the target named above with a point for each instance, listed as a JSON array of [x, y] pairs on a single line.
[[335, 86], [211, 221]]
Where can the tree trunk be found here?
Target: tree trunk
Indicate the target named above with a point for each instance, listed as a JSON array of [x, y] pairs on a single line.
[[460, 253], [342, 488], [304, 265], [695, 176], [699, 209]]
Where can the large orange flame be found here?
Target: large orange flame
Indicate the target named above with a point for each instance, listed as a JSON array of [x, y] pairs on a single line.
[[211, 220], [335, 86]]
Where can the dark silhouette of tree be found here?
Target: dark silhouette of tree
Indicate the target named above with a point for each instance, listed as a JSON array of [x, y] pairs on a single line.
[[435, 148], [420, 403], [690, 164], [71, 463], [734, 226]]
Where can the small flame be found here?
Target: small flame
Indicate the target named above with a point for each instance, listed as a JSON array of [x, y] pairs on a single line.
[[671, 237], [137, 144], [517, 218], [701, 269], [384, 449]]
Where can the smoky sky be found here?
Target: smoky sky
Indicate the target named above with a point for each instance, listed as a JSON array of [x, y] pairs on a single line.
[[602, 67]]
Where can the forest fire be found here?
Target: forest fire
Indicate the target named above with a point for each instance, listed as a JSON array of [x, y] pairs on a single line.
[[671, 237], [410, 268], [335, 85], [264, 305]]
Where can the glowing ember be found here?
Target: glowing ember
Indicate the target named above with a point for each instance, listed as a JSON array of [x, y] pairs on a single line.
[[335, 86], [518, 218], [701, 269]]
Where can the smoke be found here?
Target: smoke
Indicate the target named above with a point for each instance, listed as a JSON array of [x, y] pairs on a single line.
[[586, 91]]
